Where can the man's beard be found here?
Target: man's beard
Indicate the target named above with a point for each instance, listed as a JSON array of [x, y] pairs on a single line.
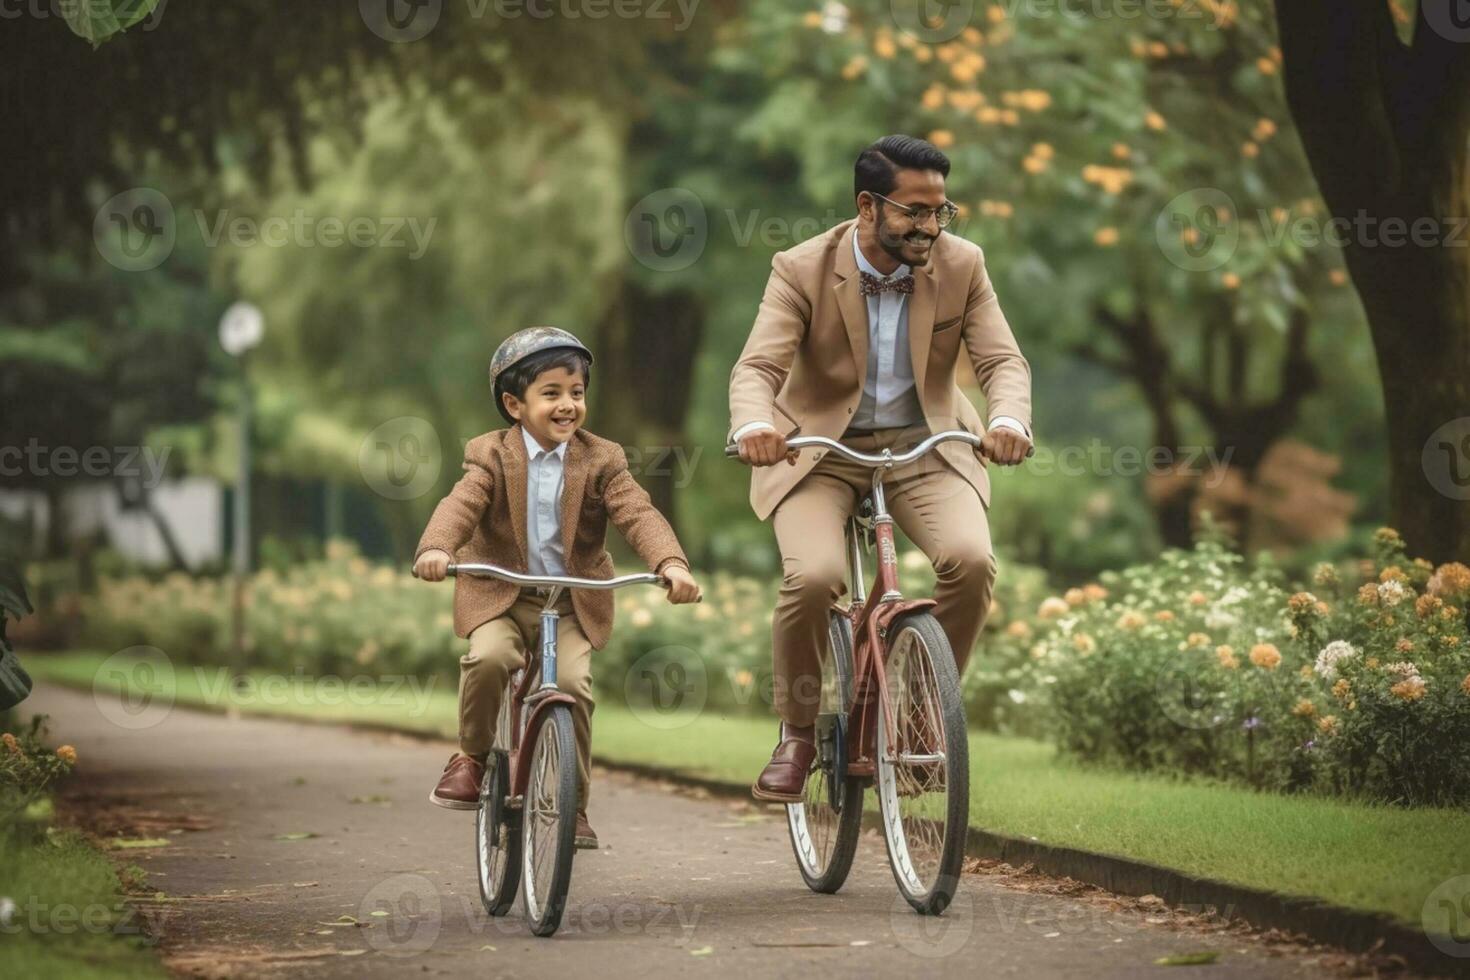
[[893, 245]]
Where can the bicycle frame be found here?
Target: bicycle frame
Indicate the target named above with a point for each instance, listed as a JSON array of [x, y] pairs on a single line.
[[528, 709], [870, 622]]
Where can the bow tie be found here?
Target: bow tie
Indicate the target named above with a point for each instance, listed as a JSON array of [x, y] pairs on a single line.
[[871, 285]]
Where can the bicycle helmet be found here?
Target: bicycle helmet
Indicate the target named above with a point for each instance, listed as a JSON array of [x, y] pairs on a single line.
[[521, 345]]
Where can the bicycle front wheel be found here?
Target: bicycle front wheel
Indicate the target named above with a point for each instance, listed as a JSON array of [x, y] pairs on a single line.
[[549, 822], [497, 838], [825, 825], [923, 764]]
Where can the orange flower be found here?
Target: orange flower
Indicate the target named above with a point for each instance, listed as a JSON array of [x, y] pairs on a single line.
[[1084, 644], [1227, 657], [1368, 594], [1409, 689], [1450, 579], [941, 138], [1131, 620], [1301, 602], [1304, 709], [1197, 598], [1164, 616], [67, 754], [1095, 592], [1105, 237], [1404, 645], [1341, 689], [1465, 685], [8, 740], [1018, 629], [1327, 724], [1266, 656], [1074, 597]]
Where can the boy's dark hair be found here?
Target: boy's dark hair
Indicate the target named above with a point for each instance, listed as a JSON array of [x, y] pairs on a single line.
[[876, 170], [519, 376]]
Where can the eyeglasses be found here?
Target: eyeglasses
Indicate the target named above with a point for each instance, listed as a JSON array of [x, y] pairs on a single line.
[[942, 215]]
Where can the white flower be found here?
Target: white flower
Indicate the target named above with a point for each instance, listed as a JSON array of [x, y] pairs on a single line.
[[1219, 620], [1330, 656], [1392, 592], [1018, 696]]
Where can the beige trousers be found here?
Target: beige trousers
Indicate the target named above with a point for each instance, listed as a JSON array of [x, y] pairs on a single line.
[[936, 508], [498, 649]]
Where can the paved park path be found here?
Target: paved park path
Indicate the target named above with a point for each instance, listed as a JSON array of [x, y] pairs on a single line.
[[684, 885]]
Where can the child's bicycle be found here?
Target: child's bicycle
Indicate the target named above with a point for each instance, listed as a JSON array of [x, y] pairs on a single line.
[[526, 824], [890, 708]]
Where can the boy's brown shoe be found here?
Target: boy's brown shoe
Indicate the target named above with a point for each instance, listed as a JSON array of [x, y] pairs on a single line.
[[459, 787], [586, 836]]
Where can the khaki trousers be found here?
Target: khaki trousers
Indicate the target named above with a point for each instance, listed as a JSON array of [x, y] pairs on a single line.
[[936, 508], [498, 649]]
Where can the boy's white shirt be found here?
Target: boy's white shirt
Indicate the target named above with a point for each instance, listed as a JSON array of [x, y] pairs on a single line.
[[545, 480]]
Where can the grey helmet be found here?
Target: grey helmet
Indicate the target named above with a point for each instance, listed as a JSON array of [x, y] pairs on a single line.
[[522, 344]]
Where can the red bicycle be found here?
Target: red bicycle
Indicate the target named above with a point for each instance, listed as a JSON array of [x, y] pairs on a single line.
[[890, 715]]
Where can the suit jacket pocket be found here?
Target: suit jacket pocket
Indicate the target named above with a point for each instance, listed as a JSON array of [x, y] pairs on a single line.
[[947, 324]]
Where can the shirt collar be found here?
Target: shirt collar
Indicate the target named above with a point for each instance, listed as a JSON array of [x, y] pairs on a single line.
[[866, 266], [533, 448]]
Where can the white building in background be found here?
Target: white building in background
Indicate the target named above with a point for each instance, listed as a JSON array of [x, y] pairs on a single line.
[[194, 508]]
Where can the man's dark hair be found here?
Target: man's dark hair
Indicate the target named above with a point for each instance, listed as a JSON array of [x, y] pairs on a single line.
[[876, 170], [520, 375]]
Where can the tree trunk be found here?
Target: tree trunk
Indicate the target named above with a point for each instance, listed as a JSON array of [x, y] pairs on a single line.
[[1385, 126], [643, 380]]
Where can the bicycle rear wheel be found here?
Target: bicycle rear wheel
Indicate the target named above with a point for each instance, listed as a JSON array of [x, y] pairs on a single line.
[[497, 838], [549, 821], [824, 827], [924, 765]]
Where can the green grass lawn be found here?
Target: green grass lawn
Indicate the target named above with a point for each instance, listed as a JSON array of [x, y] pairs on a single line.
[[69, 918], [1374, 858]]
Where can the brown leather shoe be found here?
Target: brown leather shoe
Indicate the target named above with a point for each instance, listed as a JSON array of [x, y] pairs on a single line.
[[783, 780], [459, 787], [586, 836]]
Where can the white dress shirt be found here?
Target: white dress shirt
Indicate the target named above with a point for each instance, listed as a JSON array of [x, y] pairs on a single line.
[[890, 398], [545, 479]]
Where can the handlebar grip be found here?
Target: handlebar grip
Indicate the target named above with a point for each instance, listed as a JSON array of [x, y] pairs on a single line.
[[732, 451]]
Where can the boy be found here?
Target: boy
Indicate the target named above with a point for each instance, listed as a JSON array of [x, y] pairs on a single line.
[[536, 498]]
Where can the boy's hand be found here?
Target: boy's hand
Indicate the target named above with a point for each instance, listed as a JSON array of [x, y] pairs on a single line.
[[682, 587], [432, 566]]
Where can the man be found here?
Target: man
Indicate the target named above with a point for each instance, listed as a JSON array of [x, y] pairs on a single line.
[[857, 339]]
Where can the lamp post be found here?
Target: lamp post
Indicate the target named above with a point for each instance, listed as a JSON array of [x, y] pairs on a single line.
[[240, 330]]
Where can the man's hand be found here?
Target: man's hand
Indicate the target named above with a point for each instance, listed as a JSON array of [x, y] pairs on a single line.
[[682, 587], [1005, 445], [765, 447], [432, 566]]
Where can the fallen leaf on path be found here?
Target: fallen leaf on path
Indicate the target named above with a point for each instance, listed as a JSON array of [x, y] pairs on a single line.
[[702, 951], [296, 835], [123, 843], [1188, 959], [351, 952], [305, 884], [489, 947]]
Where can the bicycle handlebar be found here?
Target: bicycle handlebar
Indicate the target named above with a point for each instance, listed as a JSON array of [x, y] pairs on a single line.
[[887, 458], [565, 581]]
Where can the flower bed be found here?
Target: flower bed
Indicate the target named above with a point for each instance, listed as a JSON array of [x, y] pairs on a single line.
[[1201, 663]]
